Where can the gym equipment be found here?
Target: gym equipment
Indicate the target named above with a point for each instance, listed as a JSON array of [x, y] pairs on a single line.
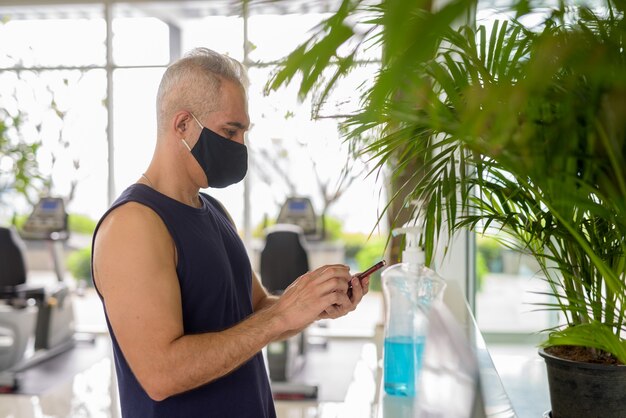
[[41, 315], [283, 260]]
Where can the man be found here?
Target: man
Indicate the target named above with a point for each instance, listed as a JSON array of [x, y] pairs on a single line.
[[187, 315]]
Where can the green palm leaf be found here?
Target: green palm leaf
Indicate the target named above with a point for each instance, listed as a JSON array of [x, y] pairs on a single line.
[[594, 335]]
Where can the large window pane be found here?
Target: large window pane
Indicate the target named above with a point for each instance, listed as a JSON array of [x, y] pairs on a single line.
[[510, 290], [345, 98], [134, 113], [147, 30], [276, 30], [274, 36], [51, 42], [221, 33], [293, 154], [140, 41], [64, 110]]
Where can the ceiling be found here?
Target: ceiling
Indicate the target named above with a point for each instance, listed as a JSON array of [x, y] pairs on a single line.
[[173, 10]]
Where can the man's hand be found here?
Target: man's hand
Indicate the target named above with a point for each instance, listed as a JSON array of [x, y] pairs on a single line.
[[313, 293], [359, 289]]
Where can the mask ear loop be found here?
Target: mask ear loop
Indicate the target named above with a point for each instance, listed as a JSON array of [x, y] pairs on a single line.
[[199, 124], [186, 144], [196, 119]]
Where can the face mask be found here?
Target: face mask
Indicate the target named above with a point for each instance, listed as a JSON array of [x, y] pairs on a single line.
[[224, 162]]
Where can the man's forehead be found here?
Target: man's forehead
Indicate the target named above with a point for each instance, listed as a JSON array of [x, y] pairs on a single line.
[[231, 108]]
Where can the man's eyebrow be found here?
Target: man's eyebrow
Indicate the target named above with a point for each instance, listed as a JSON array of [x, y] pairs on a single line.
[[238, 125]]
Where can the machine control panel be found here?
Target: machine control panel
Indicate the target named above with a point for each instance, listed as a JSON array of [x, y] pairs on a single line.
[[48, 221], [299, 211]]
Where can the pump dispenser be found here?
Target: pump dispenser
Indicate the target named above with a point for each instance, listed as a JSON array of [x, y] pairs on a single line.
[[409, 288], [413, 255]]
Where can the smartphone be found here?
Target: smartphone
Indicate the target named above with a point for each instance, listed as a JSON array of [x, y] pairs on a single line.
[[372, 269], [367, 273]]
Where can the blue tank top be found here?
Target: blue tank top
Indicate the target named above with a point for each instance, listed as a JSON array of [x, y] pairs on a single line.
[[215, 280]]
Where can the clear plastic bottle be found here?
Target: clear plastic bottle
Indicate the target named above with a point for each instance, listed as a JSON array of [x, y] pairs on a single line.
[[409, 288]]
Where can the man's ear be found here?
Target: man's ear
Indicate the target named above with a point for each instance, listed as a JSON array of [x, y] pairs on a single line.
[[181, 123]]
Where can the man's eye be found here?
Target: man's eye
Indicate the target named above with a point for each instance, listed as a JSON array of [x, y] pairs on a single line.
[[230, 133]]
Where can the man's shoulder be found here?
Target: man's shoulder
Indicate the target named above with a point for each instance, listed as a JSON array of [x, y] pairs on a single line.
[[131, 211], [130, 217], [213, 202], [133, 208], [130, 205]]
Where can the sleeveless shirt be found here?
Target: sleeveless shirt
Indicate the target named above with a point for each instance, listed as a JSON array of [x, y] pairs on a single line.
[[215, 281]]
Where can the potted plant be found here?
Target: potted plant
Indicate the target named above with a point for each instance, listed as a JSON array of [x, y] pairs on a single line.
[[517, 129]]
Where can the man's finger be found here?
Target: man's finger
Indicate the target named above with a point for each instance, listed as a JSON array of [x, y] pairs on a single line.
[[357, 290], [365, 284]]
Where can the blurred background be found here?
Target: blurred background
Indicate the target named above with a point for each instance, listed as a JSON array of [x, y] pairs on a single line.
[[78, 82]]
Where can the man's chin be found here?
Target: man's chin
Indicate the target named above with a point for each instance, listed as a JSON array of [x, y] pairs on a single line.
[[203, 183]]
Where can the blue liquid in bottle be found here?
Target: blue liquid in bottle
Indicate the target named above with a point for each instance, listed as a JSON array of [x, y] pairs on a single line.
[[403, 361]]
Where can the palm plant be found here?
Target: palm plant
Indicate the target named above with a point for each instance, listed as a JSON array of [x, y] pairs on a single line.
[[519, 130]]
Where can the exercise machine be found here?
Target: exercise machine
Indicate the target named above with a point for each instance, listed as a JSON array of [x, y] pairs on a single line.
[[36, 323], [299, 211], [283, 259]]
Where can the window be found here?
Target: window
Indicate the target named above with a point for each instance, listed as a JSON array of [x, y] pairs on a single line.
[[107, 104], [509, 285], [55, 83]]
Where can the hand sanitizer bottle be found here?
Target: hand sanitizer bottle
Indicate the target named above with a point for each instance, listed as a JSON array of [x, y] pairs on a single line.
[[409, 288]]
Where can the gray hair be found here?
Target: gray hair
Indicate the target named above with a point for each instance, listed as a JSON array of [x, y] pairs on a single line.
[[194, 83]]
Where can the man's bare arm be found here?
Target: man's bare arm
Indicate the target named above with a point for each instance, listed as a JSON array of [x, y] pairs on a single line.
[[135, 271]]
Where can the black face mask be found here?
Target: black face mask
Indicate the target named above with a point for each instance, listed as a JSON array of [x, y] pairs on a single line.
[[224, 162]]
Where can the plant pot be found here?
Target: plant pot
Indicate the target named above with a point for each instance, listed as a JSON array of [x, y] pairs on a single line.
[[585, 389]]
